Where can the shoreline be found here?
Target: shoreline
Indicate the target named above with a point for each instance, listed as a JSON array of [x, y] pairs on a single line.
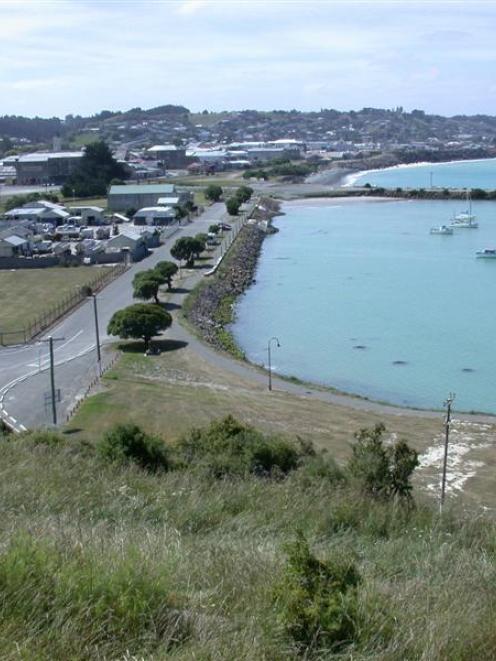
[[232, 352], [351, 177], [329, 388]]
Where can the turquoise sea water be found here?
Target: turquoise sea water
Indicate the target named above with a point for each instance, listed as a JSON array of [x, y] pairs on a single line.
[[464, 174], [369, 274]]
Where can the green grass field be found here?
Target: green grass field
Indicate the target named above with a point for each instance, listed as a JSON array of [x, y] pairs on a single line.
[[26, 294], [104, 560]]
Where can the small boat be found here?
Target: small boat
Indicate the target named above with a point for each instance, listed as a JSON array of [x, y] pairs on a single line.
[[487, 253], [442, 229], [466, 219]]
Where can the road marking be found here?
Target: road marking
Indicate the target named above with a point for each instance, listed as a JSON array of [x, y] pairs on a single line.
[[61, 346]]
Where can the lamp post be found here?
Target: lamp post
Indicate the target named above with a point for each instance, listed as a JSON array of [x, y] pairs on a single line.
[[97, 335], [272, 339]]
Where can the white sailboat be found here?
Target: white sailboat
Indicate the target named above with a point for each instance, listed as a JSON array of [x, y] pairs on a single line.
[[465, 219]]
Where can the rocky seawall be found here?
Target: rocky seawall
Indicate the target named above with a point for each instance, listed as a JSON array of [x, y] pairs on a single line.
[[210, 307]]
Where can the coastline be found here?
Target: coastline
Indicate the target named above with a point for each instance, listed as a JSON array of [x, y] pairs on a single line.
[[351, 177], [219, 315]]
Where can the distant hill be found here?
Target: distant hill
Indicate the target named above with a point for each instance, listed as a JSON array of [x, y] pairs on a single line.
[[172, 123]]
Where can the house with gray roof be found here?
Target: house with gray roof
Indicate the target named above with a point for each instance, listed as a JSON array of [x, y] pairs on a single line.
[[13, 246]]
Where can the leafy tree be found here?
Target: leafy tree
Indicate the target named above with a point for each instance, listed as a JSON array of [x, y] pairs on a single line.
[[213, 192], [382, 471], [201, 240], [147, 283], [232, 206], [167, 270], [316, 600], [244, 193], [97, 168], [139, 321], [181, 212], [185, 249], [214, 229]]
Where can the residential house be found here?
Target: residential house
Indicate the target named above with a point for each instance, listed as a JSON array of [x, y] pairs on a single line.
[[14, 246], [129, 241]]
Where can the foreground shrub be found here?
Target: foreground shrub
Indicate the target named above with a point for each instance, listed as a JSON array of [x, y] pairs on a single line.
[[128, 443], [382, 470], [227, 447], [316, 600]]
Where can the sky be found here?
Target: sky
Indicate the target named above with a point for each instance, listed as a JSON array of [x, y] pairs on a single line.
[[81, 56]]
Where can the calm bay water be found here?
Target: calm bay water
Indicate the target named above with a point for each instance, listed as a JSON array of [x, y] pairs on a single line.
[[368, 274], [464, 174]]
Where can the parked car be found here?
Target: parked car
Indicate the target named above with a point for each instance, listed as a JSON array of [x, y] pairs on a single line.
[[225, 227]]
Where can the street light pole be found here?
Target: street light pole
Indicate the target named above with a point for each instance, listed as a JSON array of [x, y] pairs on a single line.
[[448, 404], [52, 381], [97, 335], [272, 339]]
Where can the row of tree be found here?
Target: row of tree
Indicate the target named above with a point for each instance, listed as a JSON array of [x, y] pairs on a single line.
[[142, 320]]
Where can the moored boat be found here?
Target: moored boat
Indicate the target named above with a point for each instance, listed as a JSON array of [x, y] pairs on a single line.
[[465, 219], [487, 253], [442, 229]]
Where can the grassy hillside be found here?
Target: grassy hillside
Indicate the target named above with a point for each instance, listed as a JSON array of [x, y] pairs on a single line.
[[105, 559]]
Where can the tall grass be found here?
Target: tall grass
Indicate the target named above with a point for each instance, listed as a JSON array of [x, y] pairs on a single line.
[[109, 561]]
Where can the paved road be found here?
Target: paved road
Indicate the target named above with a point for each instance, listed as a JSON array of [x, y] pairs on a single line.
[[24, 370]]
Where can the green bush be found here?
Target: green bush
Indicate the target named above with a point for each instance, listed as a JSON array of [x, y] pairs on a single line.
[[232, 206], [127, 443], [381, 470], [229, 448], [316, 600], [244, 193]]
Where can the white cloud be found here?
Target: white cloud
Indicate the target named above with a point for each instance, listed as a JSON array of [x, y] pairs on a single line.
[[189, 7], [234, 53]]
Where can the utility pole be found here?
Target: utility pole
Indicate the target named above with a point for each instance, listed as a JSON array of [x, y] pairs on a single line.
[[52, 381], [448, 403], [97, 336], [272, 339], [53, 392], [431, 175]]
